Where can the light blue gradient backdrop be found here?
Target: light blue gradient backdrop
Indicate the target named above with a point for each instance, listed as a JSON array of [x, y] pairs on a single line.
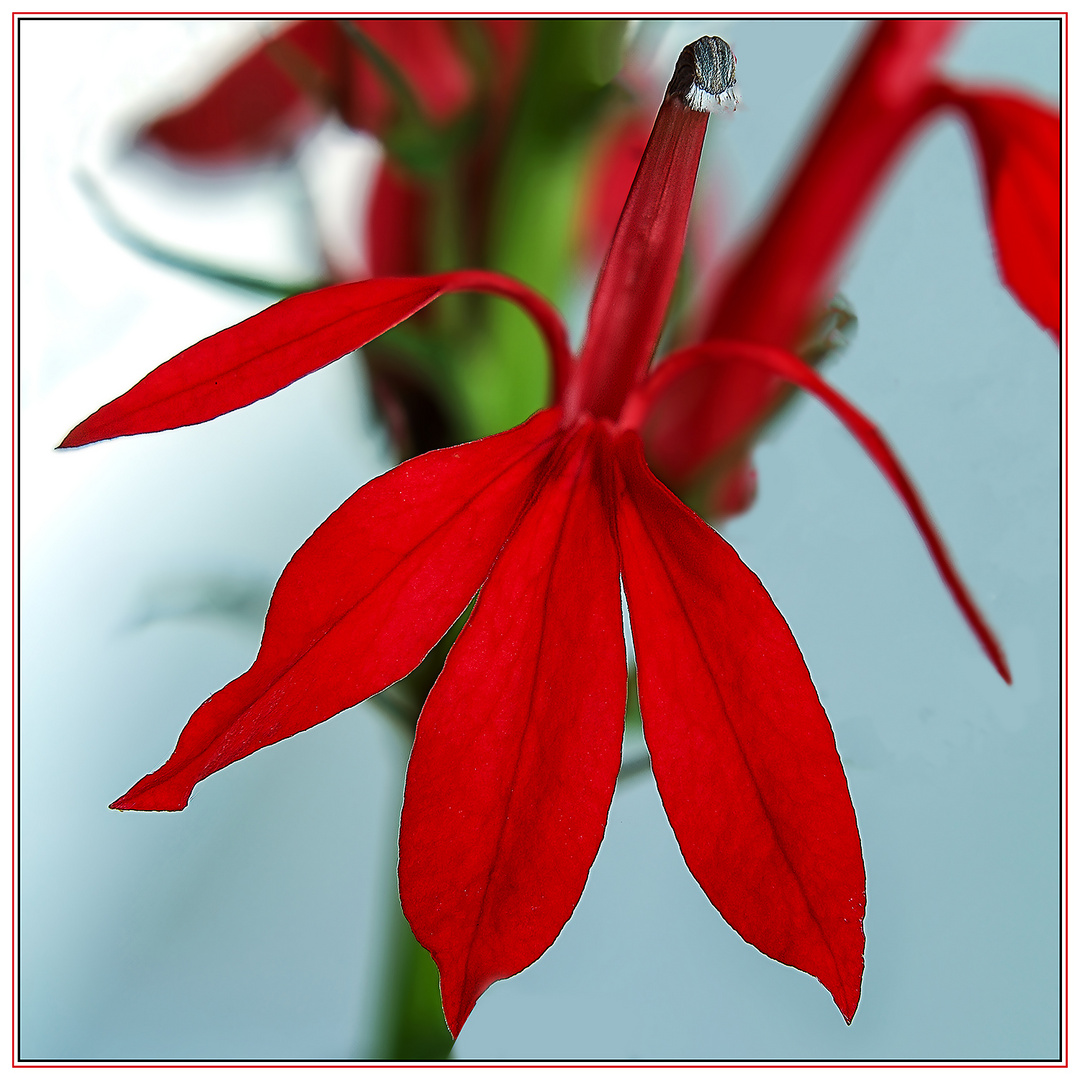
[[250, 925]]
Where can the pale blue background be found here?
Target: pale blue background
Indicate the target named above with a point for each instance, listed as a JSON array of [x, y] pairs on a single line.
[[250, 925]]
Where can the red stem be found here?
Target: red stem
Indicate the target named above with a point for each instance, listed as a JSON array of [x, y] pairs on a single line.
[[788, 269], [635, 284]]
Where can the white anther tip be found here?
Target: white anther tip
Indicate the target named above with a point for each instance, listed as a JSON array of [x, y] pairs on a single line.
[[704, 78]]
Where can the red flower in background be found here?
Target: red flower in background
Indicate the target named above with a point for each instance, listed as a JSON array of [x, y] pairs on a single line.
[[518, 746], [386, 77], [375, 75], [262, 106], [787, 271]]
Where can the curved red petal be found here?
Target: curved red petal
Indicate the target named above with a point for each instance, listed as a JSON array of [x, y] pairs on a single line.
[[518, 747], [291, 339], [741, 748], [1019, 144], [260, 106], [362, 602], [695, 361]]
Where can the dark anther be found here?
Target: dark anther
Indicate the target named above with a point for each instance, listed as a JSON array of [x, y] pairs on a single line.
[[704, 76]]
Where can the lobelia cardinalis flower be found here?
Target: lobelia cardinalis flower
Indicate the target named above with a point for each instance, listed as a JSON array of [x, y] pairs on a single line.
[[518, 746]]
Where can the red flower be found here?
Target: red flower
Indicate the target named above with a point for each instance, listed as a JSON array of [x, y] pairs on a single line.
[[263, 105], [382, 76], [518, 746]]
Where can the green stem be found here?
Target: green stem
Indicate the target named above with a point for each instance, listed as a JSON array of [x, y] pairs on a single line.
[[533, 212], [151, 249], [635, 766], [413, 1028], [388, 71], [411, 1024]]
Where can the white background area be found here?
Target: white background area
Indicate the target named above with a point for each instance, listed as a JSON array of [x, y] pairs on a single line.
[[251, 925]]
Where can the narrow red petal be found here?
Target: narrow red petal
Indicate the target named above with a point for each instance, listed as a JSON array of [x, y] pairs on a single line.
[[259, 107], [694, 363], [741, 748], [1019, 144], [518, 747], [362, 602], [299, 335]]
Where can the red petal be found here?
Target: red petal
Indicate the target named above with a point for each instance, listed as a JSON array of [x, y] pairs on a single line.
[[736, 494], [396, 223], [518, 747], [610, 179], [696, 361], [362, 602], [741, 748], [1019, 142], [260, 106], [509, 41], [427, 55], [261, 355]]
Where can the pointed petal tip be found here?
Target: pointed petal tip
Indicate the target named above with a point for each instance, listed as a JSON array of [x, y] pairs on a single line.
[[144, 796], [456, 1009], [88, 432], [72, 440], [456, 1025], [845, 1000], [125, 803], [1003, 668], [989, 643]]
